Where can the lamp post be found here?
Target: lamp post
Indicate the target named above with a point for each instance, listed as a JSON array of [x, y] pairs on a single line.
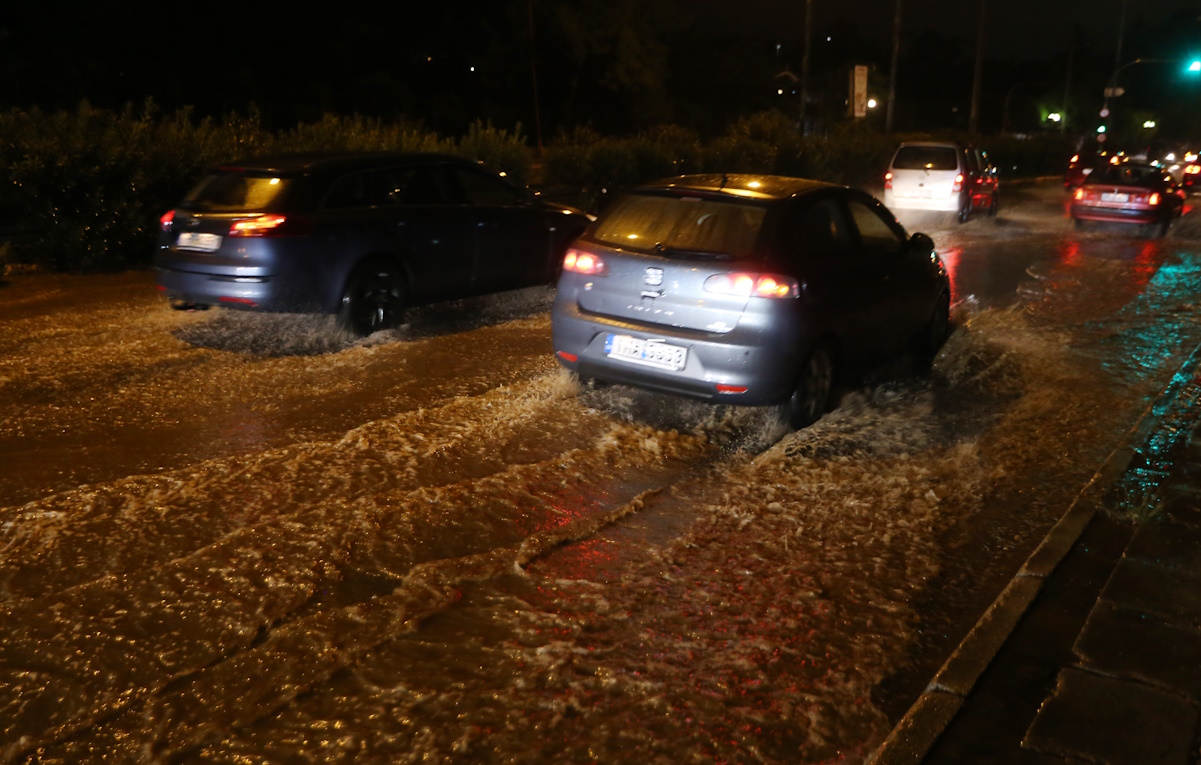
[[1113, 91]]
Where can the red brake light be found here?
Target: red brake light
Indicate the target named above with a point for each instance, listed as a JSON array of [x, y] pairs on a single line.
[[586, 263], [752, 285], [1079, 193], [1154, 198], [165, 221], [260, 225], [888, 180], [958, 183], [723, 388], [1075, 158]]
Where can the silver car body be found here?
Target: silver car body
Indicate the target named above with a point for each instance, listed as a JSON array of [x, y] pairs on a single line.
[[926, 176], [847, 275]]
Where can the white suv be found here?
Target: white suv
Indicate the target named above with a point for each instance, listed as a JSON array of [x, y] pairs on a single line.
[[940, 177]]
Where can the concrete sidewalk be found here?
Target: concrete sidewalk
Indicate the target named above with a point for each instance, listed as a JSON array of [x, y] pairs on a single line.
[[1092, 654]]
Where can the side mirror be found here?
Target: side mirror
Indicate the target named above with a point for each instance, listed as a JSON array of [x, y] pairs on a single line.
[[923, 242]]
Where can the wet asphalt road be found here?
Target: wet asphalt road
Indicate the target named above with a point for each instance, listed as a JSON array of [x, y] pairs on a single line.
[[227, 537]]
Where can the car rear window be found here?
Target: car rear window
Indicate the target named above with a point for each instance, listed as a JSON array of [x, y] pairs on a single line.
[[690, 224], [236, 191], [1136, 175], [926, 158]]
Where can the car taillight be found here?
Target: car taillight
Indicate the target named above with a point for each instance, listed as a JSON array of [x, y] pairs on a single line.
[[166, 220], [958, 183], [1153, 199], [261, 225], [888, 180], [1075, 158], [752, 285], [1192, 169], [586, 263], [1079, 193]]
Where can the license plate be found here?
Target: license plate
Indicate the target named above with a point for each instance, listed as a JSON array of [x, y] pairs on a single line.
[[192, 240], [652, 353], [1115, 197]]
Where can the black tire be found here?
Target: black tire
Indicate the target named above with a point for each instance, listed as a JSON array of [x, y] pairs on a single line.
[[935, 333], [965, 211], [1153, 230], [374, 298], [1079, 224], [814, 389]]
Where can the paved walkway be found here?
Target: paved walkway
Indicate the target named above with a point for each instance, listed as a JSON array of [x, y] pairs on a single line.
[[1092, 654]]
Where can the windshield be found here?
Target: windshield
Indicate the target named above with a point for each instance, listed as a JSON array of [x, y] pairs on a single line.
[[689, 224], [235, 191], [925, 158]]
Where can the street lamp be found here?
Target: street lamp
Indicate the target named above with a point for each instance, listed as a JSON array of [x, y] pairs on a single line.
[[1113, 91]]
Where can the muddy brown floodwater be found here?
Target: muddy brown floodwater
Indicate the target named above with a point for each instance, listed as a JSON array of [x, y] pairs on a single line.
[[237, 538]]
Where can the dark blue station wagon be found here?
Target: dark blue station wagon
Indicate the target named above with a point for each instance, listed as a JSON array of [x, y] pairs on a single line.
[[360, 235]]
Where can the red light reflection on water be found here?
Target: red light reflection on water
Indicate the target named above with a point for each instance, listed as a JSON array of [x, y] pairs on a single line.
[[1069, 252], [1146, 263], [950, 261]]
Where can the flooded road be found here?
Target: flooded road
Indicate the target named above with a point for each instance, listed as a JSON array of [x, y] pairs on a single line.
[[238, 538]]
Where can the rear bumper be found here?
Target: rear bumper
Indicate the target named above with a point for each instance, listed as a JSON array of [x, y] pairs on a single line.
[[255, 293], [766, 372], [933, 204], [1117, 215]]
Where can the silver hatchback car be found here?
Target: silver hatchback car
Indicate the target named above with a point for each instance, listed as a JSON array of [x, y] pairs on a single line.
[[746, 289]]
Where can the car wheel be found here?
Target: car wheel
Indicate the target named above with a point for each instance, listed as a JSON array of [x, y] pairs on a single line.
[[811, 398], [1079, 224], [373, 298], [934, 335], [964, 212]]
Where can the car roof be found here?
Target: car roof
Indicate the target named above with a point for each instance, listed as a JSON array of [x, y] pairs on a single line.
[[305, 162], [741, 185]]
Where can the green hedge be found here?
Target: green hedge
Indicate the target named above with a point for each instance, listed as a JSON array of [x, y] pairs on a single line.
[[86, 187]]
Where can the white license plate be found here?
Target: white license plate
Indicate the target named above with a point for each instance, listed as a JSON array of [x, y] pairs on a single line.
[[649, 352], [192, 240], [1115, 197]]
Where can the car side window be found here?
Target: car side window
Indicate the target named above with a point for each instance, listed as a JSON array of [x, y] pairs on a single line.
[[415, 186], [822, 230], [354, 190], [877, 234], [479, 188]]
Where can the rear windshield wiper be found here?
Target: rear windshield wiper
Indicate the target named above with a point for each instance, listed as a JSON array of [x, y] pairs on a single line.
[[676, 252]]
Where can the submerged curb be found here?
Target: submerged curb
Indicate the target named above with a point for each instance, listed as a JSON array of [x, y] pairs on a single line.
[[915, 734]]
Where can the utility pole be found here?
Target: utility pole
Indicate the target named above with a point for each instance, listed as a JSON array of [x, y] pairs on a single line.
[[1067, 81], [534, 78], [974, 119], [805, 61], [892, 72]]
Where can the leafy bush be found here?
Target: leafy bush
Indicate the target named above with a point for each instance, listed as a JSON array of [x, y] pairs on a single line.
[[498, 149], [92, 183], [86, 187]]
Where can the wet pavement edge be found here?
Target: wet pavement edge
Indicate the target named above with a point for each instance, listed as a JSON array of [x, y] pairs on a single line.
[[1160, 429]]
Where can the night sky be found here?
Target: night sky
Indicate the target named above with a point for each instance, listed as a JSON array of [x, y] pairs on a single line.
[[615, 64]]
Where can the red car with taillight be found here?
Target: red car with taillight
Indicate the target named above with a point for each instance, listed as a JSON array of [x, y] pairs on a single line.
[[1129, 192]]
